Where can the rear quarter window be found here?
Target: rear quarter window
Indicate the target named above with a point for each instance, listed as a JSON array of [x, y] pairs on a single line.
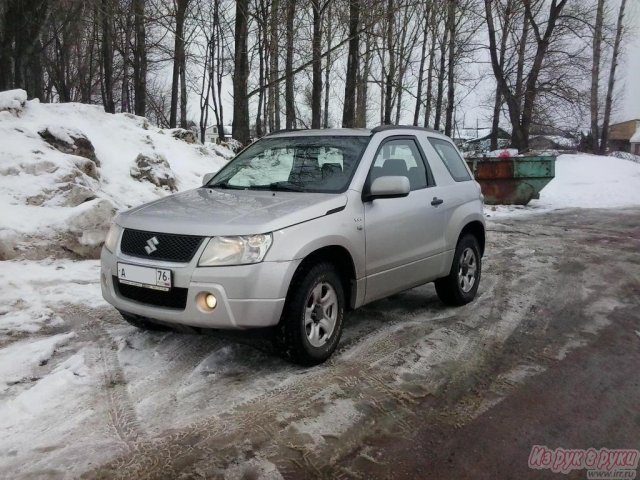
[[452, 159]]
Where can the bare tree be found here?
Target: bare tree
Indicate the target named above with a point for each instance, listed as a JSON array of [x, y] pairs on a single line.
[[241, 74], [107, 57], [351, 80], [521, 113], [179, 66], [595, 76], [140, 58]]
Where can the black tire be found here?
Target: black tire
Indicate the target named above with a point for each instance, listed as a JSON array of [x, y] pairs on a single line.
[[144, 323], [291, 338], [450, 288]]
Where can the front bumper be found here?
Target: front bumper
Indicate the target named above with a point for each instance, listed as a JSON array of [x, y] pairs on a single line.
[[249, 296]]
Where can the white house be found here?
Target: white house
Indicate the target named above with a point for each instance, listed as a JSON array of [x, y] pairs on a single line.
[[211, 133]]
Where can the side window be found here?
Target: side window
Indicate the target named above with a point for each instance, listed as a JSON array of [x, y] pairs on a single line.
[[400, 157], [452, 159]]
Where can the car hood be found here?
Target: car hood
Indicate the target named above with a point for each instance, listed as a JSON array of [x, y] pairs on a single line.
[[210, 212]]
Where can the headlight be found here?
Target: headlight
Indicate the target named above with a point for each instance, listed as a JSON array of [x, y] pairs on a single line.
[[235, 250], [111, 242]]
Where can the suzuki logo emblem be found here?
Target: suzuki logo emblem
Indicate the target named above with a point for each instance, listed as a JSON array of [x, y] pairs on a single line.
[[152, 245]]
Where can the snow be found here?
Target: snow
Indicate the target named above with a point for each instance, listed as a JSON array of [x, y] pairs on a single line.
[[18, 360], [583, 181], [32, 290], [43, 186], [12, 99], [504, 153], [626, 156], [636, 136]]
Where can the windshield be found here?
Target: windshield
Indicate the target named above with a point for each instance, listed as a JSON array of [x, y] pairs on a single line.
[[323, 164]]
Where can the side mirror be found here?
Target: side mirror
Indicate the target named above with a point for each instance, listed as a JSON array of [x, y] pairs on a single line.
[[207, 178], [388, 187]]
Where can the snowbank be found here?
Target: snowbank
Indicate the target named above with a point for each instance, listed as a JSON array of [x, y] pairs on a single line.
[[591, 181], [584, 181], [65, 169], [626, 156]]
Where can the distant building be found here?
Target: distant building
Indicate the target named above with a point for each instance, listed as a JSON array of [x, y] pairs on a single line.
[[212, 135], [625, 136], [482, 143]]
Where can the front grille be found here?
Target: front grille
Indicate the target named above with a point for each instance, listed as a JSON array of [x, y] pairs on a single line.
[[174, 298], [160, 246]]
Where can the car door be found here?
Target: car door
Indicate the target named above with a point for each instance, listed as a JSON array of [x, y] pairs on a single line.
[[403, 235]]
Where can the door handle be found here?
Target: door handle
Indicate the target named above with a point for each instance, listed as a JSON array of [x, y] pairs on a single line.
[[436, 201]]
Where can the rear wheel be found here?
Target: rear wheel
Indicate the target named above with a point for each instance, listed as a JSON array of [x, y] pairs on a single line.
[[311, 324], [144, 323], [461, 285]]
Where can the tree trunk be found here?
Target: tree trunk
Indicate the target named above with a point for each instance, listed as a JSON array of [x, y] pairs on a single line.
[[595, 76], [441, 77], [274, 86], [363, 87], [612, 78], [316, 82], [107, 57], [261, 38], [178, 54], [432, 59], [219, 71], [349, 112], [140, 59], [183, 88], [289, 100], [497, 106], [327, 71], [423, 59], [451, 91], [392, 63], [241, 74]]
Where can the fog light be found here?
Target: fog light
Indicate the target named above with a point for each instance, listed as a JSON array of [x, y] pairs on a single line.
[[210, 301]]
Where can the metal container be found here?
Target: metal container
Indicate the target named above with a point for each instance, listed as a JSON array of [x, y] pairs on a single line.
[[512, 180]]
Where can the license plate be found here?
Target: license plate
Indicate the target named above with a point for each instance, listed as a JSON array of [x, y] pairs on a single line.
[[154, 278]]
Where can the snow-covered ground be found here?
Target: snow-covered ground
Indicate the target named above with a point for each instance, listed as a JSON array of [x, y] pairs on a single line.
[[65, 169]]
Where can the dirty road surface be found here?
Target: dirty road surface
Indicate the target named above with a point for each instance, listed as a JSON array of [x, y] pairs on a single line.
[[547, 355]]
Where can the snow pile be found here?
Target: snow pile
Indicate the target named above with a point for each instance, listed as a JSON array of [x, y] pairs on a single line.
[[626, 156], [65, 169], [583, 181], [591, 181], [12, 99]]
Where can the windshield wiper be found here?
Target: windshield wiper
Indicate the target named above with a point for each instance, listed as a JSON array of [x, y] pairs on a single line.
[[225, 186], [286, 186]]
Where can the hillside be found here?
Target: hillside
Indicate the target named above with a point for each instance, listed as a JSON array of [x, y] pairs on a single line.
[[65, 169]]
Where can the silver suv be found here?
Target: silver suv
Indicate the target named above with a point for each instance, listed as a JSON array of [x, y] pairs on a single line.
[[297, 229]]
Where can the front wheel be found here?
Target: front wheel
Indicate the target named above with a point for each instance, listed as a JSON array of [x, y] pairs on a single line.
[[461, 285], [311, 324]]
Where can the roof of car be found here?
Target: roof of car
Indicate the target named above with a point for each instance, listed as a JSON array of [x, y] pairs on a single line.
[[360, 132]]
